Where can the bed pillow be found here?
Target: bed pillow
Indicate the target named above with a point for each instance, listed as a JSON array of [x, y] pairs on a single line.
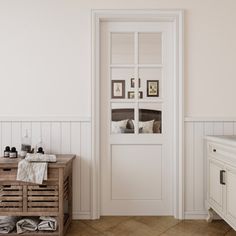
[[147, 126], [130, 124], [126, 131], [116, 126], [157, 126]]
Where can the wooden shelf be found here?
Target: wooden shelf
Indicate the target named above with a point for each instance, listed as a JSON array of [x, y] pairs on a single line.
[[33, 233], [26, 199]]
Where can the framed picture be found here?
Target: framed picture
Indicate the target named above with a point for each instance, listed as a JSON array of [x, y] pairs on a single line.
[[118, 88], [131, 94], [152, 88], [132, 83]]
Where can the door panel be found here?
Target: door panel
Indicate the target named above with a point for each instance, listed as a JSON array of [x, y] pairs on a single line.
[[231, 193], [133, 181], [215, 187], [136, 118]]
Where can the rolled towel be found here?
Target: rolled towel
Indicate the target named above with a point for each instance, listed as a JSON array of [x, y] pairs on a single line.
[[38, 157], [47, 223], [27, 224], [7, 224]]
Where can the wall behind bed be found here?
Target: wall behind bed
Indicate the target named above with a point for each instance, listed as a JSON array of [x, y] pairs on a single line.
[[45, 58]]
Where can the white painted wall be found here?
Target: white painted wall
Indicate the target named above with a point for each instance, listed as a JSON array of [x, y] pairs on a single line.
[[45, 55], [45, 59]]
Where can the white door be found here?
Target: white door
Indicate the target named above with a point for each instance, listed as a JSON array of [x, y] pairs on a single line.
[[136, 118], [214, 184]]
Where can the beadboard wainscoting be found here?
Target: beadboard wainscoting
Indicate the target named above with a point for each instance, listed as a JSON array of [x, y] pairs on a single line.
[[195, 160], [59, 136], [65, 135]]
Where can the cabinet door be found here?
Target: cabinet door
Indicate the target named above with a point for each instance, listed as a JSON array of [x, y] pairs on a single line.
[[215, 188], [231, 194]]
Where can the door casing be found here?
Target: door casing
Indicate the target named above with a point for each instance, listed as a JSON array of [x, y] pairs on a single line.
[[176, 17]]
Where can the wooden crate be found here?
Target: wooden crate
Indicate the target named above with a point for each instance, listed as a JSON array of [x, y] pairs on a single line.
[[11, 198], [48, 199], [43, 198]]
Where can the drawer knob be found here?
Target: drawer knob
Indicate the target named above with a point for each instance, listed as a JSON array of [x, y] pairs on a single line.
[[214, 150]]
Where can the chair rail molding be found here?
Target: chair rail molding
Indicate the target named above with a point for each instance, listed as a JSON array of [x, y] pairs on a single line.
[[209, 118], [175, 16]]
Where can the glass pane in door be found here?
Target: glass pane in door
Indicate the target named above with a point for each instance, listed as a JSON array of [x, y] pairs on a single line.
[[150, 48], [150, 83], [122, 84], [122, 48], [150, 118], [122, 118]]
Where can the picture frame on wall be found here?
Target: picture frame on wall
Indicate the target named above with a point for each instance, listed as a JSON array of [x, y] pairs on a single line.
[[118, 89], [131, 94], [152, 88], [132, 82]]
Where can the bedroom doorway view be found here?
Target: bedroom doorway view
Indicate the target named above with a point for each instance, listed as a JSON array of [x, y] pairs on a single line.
[[136, 122]]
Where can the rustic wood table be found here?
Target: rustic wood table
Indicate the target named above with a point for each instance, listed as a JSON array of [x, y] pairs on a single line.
[[52, 198]]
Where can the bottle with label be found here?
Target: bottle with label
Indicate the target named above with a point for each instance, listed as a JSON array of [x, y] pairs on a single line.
[[13, 153], [7, 152], [25, 144], [40, 150]]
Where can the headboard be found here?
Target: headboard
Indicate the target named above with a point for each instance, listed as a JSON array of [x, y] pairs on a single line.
[[127, 113]]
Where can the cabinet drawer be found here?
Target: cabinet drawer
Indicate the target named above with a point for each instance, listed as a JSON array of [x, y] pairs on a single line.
[[223, 153], [11, 198], [8, 174], [43, 198], [53, 174]]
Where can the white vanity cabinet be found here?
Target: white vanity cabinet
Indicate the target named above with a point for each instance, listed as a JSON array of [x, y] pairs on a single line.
[[221, 178]]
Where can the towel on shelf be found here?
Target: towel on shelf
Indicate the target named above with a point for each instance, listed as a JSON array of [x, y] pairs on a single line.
[[38, 157], [27, 224], [34, 172], [47, 223], [7, 224]]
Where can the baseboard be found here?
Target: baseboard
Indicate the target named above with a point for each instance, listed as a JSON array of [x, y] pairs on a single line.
[[81, 215], [195, 215]]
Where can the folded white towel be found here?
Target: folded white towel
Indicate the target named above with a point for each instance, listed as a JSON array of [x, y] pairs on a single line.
[[47, 223], [32, 172], [7, 224], [27, 224], [38, 157]]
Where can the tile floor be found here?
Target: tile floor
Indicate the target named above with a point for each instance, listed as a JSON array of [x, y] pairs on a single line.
[[148, 226]]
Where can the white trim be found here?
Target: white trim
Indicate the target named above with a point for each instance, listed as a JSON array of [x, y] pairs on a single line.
[[209, 119], [195, 215], [175, 16], [45, 118], [81, 215]]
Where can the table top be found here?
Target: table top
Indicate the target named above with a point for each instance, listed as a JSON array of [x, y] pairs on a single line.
[[62, 161], [223, 139]]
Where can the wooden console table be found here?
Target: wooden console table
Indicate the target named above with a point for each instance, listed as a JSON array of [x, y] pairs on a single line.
[[52, 198]]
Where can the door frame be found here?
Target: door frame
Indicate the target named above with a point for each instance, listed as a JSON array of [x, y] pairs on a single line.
[[175, 16]]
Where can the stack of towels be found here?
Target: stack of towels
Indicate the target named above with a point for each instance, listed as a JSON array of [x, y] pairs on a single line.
[[43, 223], [34, 168]]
